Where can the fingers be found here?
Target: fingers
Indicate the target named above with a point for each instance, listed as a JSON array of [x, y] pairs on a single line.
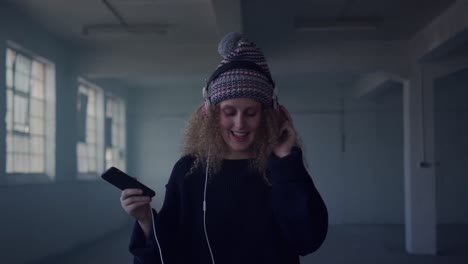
[[283, 129], [286, 113], [135, 199], [130, 192], [131, 209], [287, 134], [132, 201], [286, 127], [129, 197]]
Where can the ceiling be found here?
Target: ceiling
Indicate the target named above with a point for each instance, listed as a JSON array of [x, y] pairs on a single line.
[[192, 22], [105, 23], [149, 24]]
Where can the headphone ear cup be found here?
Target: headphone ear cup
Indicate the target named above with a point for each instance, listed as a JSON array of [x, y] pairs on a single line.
[[206, 103], [276, 104]]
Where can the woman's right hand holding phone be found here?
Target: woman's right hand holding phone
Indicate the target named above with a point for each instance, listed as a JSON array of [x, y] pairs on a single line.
[[138, 206]]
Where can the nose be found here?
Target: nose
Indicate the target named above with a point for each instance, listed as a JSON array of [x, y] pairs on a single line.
[[239, 121]]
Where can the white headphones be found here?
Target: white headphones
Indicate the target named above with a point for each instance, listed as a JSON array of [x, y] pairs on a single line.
[[206, 97]]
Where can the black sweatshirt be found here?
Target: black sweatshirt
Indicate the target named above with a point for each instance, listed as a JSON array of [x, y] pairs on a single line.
[[247, 220]]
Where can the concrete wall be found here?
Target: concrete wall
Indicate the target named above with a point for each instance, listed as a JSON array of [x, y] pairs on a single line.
[[373, 168], [451, 145], [41, 220]]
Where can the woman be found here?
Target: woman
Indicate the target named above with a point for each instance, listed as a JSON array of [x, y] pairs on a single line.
[[240, 193]]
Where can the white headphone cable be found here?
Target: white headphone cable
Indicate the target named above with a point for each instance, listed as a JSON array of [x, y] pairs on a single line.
[[204, 221], [204, 211], [155, 236]]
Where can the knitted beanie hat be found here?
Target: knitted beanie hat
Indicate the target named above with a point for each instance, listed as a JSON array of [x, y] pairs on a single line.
[[243, 73]]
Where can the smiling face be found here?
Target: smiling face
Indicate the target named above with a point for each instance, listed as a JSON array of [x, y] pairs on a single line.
[[239, 122]]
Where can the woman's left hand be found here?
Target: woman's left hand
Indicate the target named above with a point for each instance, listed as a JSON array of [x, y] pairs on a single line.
[[287, 134]]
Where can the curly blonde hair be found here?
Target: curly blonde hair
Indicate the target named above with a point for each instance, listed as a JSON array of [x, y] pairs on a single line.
[[203, 139]]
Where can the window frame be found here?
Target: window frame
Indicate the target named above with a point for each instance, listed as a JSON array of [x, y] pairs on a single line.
[[119, 139], [47, 80], [98, 132]]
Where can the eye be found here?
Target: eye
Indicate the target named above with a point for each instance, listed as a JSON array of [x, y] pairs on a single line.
[[229, 113], [251, 113]]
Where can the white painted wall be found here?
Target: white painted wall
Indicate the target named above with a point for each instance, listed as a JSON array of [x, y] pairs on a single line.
[[156, 120], [361, 178]]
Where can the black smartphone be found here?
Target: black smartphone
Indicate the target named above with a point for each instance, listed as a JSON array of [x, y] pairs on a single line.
[[123, 181]]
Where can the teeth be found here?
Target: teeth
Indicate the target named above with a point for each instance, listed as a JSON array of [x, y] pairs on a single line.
[[239, 134]]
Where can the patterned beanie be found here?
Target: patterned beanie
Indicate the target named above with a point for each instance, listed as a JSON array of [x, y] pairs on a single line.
[[243, 73]]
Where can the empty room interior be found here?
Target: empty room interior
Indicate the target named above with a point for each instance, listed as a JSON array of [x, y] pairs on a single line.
[[377, 90]]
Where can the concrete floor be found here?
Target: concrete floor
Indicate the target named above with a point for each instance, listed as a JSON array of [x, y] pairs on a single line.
[[376, 244], [382, 244]]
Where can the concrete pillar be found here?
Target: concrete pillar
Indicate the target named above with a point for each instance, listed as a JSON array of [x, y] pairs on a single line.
[[65, 150], [2, 113], [419, 172]]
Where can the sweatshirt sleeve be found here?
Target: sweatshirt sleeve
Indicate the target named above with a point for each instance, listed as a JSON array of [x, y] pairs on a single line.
[[297, 205], [145, 250]]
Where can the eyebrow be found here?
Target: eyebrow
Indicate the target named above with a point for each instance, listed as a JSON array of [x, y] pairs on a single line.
[[232, 106]]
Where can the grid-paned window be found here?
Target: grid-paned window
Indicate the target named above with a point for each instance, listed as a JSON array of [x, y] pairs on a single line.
[[90, 133], [115, 132], [26, 113]]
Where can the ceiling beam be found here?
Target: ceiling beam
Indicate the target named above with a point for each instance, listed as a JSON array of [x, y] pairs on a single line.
[[160, 62], [371, 84], [349, 57], [446, 32], [154, 62]]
